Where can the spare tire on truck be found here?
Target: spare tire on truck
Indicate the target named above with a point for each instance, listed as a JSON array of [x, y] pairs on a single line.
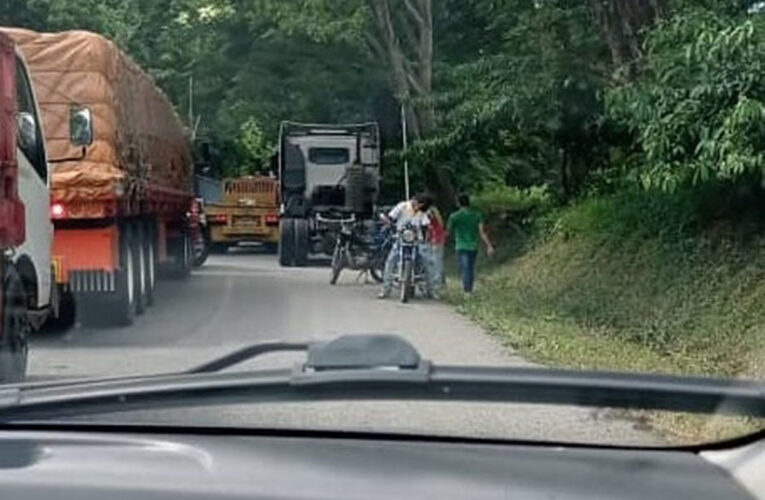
[[355, 189]]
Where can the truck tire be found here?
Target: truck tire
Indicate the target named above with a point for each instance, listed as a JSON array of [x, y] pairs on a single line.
[[150, 254], [141, 268], [67, 313], [302, 242], [16, 329], [201, 254], [122, 309], [286, 242], [183, 258]]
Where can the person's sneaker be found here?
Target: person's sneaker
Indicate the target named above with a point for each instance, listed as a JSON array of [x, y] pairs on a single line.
[[383, 295]]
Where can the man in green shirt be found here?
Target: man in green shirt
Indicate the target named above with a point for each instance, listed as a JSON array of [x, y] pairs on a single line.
[[467, 225]]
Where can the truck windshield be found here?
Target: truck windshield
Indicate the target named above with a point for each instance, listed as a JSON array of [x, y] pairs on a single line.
[[329, 156]]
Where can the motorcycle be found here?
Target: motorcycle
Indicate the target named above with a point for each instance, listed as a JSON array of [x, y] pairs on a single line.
[[354, 249], [411, 263]]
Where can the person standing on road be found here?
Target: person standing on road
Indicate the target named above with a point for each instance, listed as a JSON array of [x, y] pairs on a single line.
[[467, 225], [437, 239], [412, 211]]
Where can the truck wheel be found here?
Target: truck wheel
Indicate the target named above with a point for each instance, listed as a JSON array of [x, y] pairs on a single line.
[[202, 252], [16, 330], [141, 268], [67, 313], [183, 258], [286, 242], [150, 254], [123, 307], [302, 242]]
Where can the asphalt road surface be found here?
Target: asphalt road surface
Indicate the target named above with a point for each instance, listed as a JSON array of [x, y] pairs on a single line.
[[245, 297]]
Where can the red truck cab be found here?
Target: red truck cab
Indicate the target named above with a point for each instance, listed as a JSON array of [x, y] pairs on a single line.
[[13, 330]]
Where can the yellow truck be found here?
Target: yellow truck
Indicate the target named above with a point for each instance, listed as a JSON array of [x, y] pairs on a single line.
[[248, 211]]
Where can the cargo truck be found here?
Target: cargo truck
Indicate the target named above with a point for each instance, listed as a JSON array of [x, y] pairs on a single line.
[[122, 207], [248, 211], [26, 294]]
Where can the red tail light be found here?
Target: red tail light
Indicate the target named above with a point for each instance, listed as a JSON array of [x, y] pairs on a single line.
[[57, 211], [272, 219], [219, 219]]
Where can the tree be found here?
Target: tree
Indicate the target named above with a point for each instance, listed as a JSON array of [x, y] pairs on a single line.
[[622, 23], [698, 108]]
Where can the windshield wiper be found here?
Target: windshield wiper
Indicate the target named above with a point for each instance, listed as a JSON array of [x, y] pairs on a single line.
[[377, 367]]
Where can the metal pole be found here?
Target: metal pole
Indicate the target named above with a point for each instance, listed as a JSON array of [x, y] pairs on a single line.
[[191, 100], [406, 146]]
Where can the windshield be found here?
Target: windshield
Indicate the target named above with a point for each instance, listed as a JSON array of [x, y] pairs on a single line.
[[588, 180], [329, 156]]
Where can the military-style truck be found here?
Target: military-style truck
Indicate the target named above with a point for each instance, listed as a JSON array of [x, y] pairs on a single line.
[[325, 172]]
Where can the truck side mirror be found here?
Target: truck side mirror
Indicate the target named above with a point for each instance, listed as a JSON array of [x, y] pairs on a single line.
[[81, 126], [27, 131]]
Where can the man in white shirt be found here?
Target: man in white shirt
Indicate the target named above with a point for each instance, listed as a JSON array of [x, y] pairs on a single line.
[[414, 212]]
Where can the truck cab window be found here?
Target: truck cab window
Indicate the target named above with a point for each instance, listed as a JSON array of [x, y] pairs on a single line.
[[329, 156], [35, 153]]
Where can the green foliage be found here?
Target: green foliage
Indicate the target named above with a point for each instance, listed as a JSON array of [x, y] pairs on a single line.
[[527, 106], [511, 201], [688, 300], [257, 149], [698, 110]]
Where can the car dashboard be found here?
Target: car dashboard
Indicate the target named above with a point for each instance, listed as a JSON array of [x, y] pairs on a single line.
[[84, 465]]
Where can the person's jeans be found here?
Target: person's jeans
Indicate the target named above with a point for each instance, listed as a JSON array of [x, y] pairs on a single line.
[[466, 262], [391, 267]]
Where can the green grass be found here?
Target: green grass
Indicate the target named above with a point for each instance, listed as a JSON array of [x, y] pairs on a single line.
[[632, 283]]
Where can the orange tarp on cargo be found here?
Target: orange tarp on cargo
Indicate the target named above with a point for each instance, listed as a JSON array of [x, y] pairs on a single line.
[[139, 141]]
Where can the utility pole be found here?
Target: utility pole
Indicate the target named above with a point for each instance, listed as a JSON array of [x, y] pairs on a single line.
[[406, 146], [191, 100]]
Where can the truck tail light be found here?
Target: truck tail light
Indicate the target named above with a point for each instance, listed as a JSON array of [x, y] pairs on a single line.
[[57, 211], [219, 219], [272, 220]]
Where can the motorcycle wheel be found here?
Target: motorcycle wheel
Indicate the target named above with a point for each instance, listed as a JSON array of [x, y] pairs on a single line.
[[406, 282], [377, 268], [337, 264]]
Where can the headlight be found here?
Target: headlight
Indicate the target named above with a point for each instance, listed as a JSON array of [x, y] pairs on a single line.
[[408, 236]]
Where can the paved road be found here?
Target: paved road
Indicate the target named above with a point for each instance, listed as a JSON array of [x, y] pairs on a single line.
[[244, 298]]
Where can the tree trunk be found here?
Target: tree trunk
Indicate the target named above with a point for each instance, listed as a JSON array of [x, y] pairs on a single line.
[[622, 23], [404, 38]]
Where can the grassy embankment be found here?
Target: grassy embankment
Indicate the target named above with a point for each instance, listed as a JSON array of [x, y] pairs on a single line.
[[632, 282]]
